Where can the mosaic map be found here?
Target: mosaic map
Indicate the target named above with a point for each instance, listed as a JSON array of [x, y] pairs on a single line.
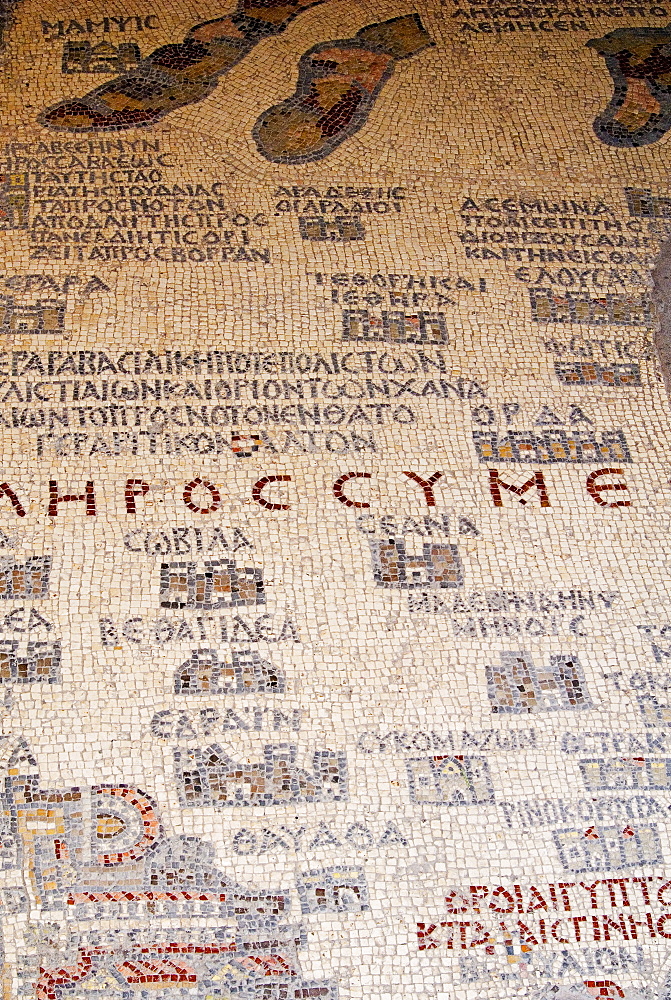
[[335, 500]]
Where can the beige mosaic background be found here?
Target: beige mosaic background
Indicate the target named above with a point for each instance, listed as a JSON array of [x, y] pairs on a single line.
[[347, 674]]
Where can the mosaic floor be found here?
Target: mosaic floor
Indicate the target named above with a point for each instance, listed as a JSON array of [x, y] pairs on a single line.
[[335, 500]]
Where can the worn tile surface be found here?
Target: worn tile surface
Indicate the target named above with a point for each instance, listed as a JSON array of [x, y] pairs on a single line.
[[335, 501]]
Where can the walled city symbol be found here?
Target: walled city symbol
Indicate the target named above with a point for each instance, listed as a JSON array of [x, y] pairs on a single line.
[[82, 57], [338, 81], [205, 673], [25, 581], [612, 309], [437, 565], [449, 780], [14, 198], [41, 662], [99, 850], [207, 776], [44, 316], [600, 848], [519, 687], [217, 583], [603, 774], [25, 310], [394, 326]]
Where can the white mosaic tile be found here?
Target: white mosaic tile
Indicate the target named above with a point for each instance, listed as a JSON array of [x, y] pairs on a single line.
[[335, 496]]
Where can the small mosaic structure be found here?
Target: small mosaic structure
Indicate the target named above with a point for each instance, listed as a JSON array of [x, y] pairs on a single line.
[[204, 673], [517, 686], [209, 776]]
